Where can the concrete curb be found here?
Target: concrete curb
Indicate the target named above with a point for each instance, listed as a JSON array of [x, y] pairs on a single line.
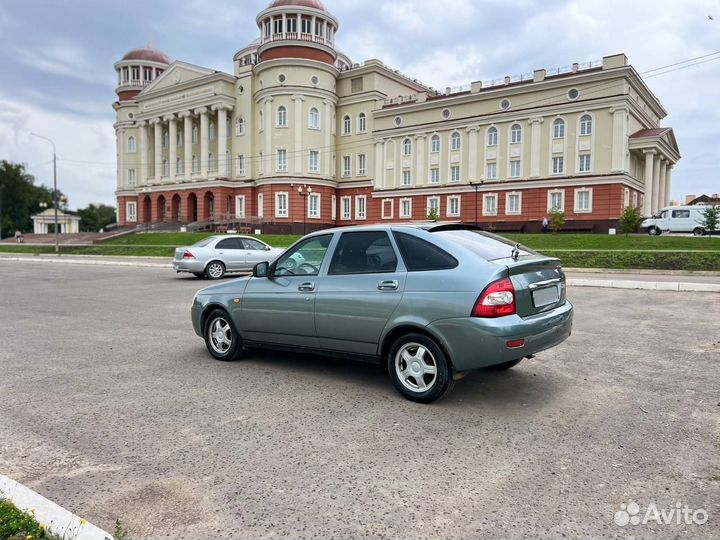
[[645, 285], [95, 262], [53, 517]]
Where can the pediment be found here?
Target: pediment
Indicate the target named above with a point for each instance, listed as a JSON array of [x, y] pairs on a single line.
[[177, 73]]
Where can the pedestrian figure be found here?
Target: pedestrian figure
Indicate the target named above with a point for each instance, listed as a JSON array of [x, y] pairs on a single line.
[[18, 237], [545, 224]]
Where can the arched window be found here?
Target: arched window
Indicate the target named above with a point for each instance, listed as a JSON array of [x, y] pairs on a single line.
[[228, 163], [347, 125], [179, 168], [586, 125], [179, 139], [131, 145], [362, 122], [282, 119], [492, 136], [195, 164], [194, 134], [165, 139], [212, 164], [407, 147], [240, 126], [211, 131], [165, 168], [314, 118], [261, 121], [455, 141], [515, 133], [559, 128], [435, 144]]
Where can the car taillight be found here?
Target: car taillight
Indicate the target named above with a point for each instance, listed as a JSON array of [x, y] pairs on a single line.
[[497, 300], [188, 255]]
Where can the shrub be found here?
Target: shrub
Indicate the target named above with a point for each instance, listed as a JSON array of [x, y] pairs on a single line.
[[433, 215], [630, 220], [557, 220], [711, 219]]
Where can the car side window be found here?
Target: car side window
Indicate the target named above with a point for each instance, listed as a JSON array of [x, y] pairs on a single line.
[[229, 243], [421, 255], [681, 213], [305, 258], [664, 214], [250, 243], [363, 253]]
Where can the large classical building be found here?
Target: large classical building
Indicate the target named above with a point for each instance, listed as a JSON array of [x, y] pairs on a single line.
[[299, 135]]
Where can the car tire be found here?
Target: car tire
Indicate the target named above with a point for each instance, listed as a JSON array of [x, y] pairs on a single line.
[[654, 231], [215, 270], [221, 339], [505, 365], [699, 231], [428, 376]]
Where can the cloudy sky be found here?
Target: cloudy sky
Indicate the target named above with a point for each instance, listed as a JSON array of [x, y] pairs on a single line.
[[57, 78]]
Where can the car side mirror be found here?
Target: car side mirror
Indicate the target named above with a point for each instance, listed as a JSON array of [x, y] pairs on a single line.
[[261, 270], [267, 248]]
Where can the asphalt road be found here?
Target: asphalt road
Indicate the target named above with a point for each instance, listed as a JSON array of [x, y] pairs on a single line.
[[112, 408]]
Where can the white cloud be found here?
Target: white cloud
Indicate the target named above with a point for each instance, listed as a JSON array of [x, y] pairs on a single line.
[[61, 57]]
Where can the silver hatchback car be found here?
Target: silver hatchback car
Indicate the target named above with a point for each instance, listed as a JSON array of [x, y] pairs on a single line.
[[431, 302]]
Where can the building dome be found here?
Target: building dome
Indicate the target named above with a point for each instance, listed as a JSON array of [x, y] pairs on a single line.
[[148, 54], [315, 4]]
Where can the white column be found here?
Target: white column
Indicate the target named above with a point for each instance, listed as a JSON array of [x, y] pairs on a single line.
[[535, 143], [656, 184], [661, 185], [284, 23], [172, 145], [668, 181], [328, 151], [620, 132], [143, 159], [649, 159], [419, 173], [187, 142], [222, 136], [121, 176], [472, 153], [379, 164], [157, 158], [204, 149], [297, 154]]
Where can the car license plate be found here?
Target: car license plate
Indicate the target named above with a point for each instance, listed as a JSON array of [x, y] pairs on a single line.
[[545, 296]]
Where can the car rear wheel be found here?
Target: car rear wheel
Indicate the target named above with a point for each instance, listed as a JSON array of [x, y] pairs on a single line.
[[215, 270], [506, 365], [699, 231], [419, 369], [222, 340]]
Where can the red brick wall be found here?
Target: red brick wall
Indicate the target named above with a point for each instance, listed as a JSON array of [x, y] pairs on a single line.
[[308, 53]]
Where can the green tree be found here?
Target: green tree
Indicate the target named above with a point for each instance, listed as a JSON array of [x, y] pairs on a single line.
[[630, 220], [20, 198], [711, 219], [556, 220], [96, 217], [433, 214]]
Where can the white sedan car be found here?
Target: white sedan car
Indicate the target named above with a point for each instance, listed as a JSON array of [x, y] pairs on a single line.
[[217, 255]]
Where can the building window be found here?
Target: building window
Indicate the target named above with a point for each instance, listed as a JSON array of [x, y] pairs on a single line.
[[347, 125], [492, 136], [559, 128], [314, 205], [515, 133], [278, 26], [194, 134], [455, 141], [491, 171], [333, 209], [453, 206], [387, 209], [131, 178], [586, 125], [346, 166], [584, 163], [362, 123], [195, 165], [558, 165], [131, 211], [212, 164], [434, 175], [165, 139], [556, 201], [515, 168], [356, 85], [240, 126], [282, 118], [435, 144], [489, 205], [362, 165], [179, 166], [291, 25], [405, 208], [406, 178], [635, 199], [227, 165], [260, 205], [407, 147], [314, 118], [306, 25], [626, 198], [261, 164], [433, 206], [165, 168], [261, 121], [360, 207], [314, 161], [345, 208], [282, 160], [241, 165], [513, 203], [281, 205], [455, 173], [211, 131], [131, 145], [240, 206], [583, 200], [179, 137]]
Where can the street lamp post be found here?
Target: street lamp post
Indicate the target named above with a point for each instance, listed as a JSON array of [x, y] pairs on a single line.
[[304, 191], [55, 191], [477, 186]]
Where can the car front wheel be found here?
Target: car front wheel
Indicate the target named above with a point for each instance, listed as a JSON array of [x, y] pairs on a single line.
[[419, 369], [215, 270], [222, 340], [653, 231]]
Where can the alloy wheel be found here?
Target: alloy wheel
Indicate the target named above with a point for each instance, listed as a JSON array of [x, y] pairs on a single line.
[[416, 367], [220, 334]]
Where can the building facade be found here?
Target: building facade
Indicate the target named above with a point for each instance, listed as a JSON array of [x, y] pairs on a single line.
[[299, 137]]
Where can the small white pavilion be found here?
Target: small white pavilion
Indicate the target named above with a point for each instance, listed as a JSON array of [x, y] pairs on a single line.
[[67, 223]]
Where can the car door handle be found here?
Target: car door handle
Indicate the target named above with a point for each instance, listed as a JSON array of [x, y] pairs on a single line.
[[388, 285], [308, 286]]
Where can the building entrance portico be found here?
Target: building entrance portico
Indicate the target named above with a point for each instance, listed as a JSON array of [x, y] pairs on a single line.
[[44, 221]]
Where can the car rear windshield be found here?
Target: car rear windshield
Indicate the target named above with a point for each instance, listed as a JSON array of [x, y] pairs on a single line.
[[204, 242], [488, 246]]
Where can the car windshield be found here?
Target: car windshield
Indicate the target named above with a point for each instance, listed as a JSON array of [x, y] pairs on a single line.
[[204, 242], [489, 246]]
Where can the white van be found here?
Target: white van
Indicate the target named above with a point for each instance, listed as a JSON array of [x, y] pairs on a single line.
[[675, 219]]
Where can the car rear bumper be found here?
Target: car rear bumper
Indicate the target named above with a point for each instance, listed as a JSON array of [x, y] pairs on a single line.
[[188, 265], [474, 342]]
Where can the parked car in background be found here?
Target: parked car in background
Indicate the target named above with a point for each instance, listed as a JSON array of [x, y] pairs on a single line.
[[215, 256], [431, 302], [678, 219]]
